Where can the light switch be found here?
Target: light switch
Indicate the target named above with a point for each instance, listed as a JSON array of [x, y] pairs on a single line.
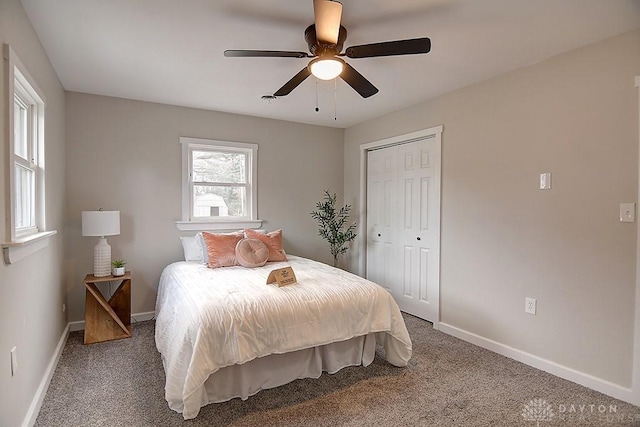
[[627, 212], [545, 181]]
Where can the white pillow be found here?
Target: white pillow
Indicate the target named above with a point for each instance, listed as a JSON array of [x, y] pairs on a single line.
[[192, 248], [203, 249]]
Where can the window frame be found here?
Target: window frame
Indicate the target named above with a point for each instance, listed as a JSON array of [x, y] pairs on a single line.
[[34, 108], [18, 84], [189, 222]]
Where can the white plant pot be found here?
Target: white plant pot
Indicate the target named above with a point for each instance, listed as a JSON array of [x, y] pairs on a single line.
[[117, 271]]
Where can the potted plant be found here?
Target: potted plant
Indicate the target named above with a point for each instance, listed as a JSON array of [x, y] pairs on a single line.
[[331, 225], [118, 267]]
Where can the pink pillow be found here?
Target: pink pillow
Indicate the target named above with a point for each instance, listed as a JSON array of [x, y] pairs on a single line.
[[273, 241], [252, 253], [221, 248]]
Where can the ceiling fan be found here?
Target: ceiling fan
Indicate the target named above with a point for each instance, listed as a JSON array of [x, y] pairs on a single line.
[[325, 39]]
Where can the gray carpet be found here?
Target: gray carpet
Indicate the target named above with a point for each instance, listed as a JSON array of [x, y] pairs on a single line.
[[448, 383]]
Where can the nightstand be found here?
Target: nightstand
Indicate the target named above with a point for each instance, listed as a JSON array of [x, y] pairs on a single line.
[[107, 320]]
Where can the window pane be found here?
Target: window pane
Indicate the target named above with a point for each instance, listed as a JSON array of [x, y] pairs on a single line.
[[25, 197], [218, 201], [20, 129], [219, 167]]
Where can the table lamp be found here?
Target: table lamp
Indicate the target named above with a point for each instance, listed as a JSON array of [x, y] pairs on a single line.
[[101, 223]]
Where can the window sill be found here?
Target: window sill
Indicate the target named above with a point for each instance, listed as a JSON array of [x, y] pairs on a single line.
[[23, 247], [218, 225]]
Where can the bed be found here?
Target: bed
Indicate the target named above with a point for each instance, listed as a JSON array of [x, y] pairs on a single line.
[[224, 333]]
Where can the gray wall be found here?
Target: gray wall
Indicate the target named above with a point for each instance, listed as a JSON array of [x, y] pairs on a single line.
[[125, 155], [576, 116], [32, 290], [502, 239]]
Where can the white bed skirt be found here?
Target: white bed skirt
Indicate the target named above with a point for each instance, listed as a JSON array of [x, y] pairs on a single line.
[[278, 369]]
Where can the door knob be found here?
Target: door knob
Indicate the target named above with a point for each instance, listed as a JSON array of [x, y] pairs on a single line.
[[379, 234], [418, 238]]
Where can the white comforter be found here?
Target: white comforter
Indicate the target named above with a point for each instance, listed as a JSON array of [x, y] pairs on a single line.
[[207, 319]]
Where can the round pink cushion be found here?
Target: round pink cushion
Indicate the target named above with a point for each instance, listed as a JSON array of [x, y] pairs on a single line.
[[252, 253]]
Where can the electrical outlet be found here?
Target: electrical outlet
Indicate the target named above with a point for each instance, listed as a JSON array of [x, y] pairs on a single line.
[[14, 361], [530, 305]]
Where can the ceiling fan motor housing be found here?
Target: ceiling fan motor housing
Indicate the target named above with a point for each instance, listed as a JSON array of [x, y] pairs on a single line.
[[318, 48]]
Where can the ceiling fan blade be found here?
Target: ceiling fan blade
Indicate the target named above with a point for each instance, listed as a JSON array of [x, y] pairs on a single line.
[[264, 54], [358, 82], [327, 19], [293, 83], [397, 47]]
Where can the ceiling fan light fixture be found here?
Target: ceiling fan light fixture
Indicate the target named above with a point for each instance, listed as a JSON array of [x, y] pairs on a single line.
[[326, 68]]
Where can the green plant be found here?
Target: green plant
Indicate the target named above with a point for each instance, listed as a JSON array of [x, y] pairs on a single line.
[[118, 263], [332, 223]]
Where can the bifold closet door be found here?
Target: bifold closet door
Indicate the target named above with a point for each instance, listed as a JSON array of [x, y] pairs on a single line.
[[403, 224]]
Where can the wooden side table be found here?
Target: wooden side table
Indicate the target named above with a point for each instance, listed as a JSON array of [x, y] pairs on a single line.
[[107, 320]]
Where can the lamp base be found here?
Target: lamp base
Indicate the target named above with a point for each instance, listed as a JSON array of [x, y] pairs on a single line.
[[102, 258]]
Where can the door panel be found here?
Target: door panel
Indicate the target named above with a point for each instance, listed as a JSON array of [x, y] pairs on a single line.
[[424, 207], [403, 205], [381, 177]]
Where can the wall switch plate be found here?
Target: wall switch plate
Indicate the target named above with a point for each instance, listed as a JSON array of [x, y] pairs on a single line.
[[530, 305], [627, 212], [545, 181]]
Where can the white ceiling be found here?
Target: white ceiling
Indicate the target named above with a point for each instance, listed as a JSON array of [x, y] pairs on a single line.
[[171, 51]]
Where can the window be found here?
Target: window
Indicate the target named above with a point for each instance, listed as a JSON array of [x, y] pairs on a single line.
[[219, 189], [25, 162], [24, 157]]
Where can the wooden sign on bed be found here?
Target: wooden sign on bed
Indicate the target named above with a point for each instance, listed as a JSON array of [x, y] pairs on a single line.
[[282, 277]]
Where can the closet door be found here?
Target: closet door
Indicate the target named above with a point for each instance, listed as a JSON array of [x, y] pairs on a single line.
[[403, 222], [381, 216]]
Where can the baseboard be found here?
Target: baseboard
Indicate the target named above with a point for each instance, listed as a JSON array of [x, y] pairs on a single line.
[[143, 317], [36, 403], [595, 383], [135, 318]]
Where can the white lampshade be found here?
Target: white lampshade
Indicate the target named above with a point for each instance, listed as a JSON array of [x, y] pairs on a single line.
[[100, 223], [326, 68]]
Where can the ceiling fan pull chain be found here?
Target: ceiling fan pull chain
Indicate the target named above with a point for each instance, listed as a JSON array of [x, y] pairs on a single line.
[[317, 109], [335, 99]]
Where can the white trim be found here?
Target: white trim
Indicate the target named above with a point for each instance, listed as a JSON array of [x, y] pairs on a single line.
[[139, 317], [387, 142], [15, 71], [9, 85], [144, 316], [38, 398], [217, 226], [636, 334], [209, 142], [595, 383], [361, 238], [436, 130], [433, 132], [251, 149], [22, 248]]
